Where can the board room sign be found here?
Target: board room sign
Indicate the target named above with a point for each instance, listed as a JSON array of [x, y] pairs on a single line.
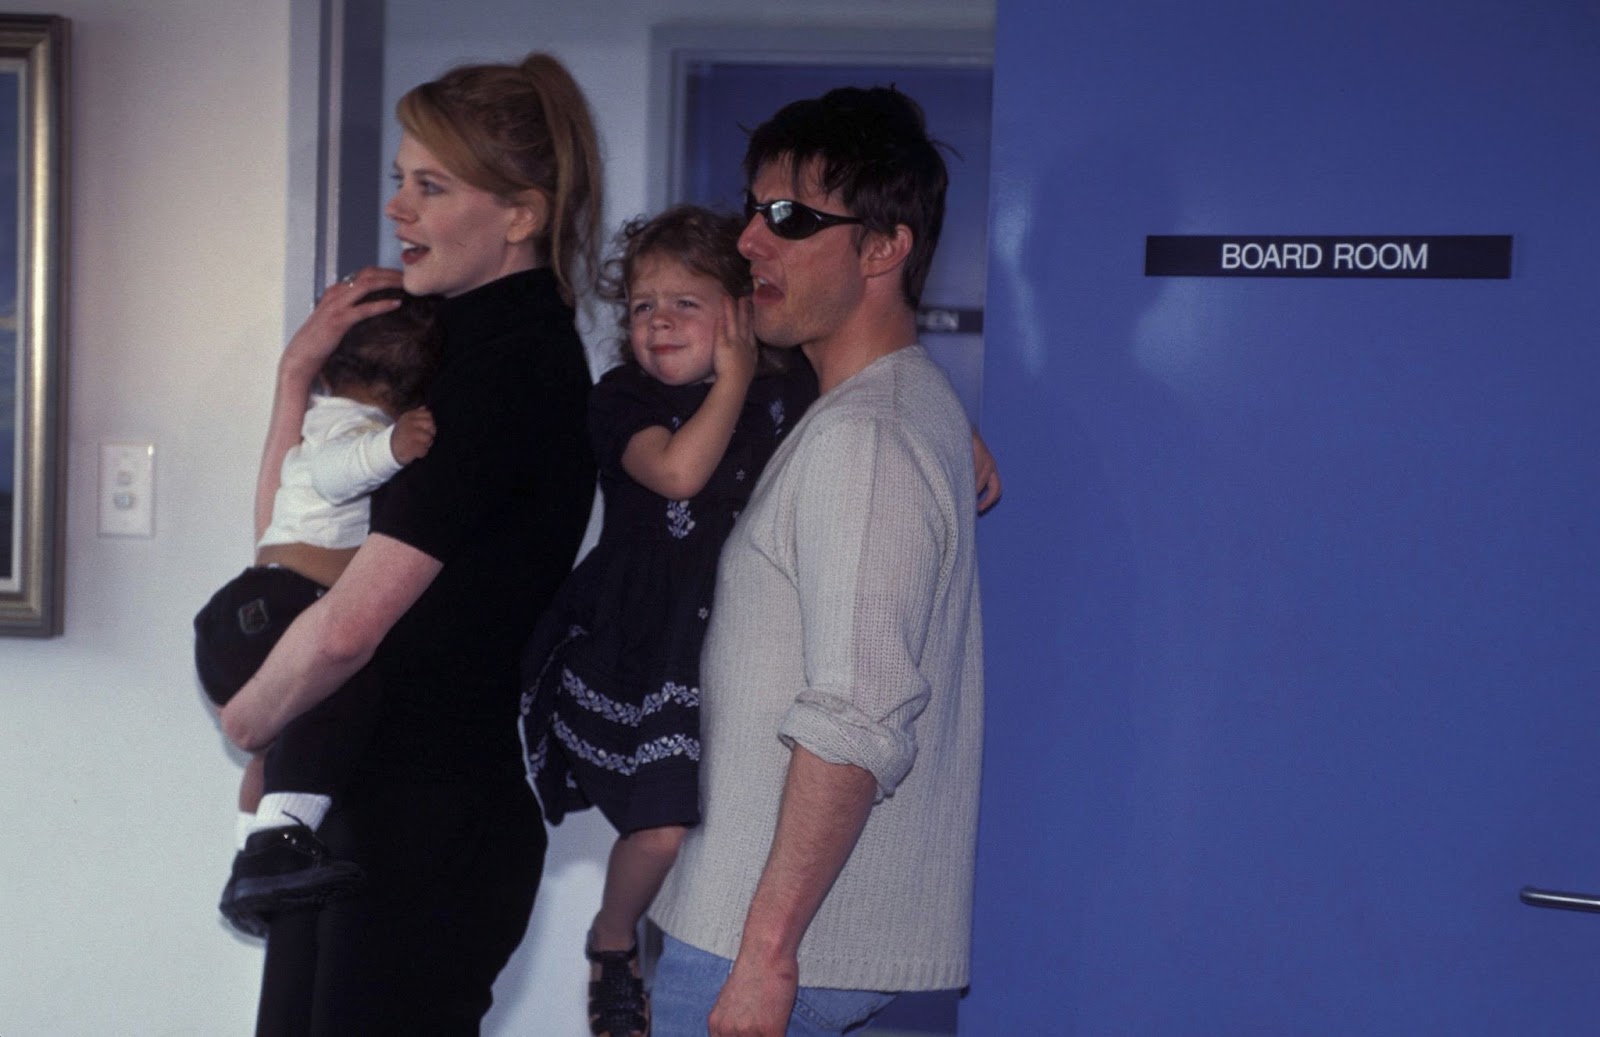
[[1287, 255]]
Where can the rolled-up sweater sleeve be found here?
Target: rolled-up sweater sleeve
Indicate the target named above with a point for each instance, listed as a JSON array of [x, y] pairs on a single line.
[[868, 562]]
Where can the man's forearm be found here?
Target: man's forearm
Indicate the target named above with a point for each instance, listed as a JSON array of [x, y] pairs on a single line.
[[824, 808]]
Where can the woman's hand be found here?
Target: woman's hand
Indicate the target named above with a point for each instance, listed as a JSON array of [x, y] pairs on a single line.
[[413, 435], [734, 355], [336, 312], [301, 362]]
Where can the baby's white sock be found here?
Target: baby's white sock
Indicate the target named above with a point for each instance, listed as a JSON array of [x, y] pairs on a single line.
[[281, 809]]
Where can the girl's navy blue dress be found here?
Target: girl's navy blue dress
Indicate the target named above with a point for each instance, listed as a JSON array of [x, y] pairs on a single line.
[[611, 707]]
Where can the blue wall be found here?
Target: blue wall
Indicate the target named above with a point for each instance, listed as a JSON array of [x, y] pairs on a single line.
[[1290, 611]]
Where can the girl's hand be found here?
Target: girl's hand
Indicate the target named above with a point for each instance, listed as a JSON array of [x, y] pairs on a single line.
[[734, 354], [677, 464], [336, 312], [413, 435]]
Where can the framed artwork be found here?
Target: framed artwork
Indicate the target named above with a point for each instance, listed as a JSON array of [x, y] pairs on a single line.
[[33, 55]]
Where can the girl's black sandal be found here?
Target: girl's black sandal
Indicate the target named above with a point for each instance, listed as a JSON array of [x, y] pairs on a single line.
[[618, 1006]]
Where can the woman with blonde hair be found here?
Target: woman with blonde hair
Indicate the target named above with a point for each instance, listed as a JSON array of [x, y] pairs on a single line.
[[496, 207]]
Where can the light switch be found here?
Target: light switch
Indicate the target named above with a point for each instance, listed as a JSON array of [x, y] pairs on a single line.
[[127, 489]]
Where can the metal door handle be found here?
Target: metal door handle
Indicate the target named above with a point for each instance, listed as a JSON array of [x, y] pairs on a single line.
[[1565, 901]]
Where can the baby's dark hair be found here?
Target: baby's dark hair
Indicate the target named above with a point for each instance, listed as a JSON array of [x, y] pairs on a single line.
[[393, 355], [703, 240]]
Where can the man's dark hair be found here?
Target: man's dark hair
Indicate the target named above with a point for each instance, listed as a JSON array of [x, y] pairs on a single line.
[[871, 146], [393, 355]]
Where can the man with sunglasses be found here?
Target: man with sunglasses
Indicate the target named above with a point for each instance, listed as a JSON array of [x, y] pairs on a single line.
[[841, 681]]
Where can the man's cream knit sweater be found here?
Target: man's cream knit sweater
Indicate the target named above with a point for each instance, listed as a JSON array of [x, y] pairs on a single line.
[[846, 620]]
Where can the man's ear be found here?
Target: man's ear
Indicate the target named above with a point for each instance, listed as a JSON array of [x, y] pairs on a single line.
[[530, 216], [885, 253]]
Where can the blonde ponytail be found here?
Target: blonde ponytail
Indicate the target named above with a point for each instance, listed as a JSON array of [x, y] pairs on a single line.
[[575, 201]]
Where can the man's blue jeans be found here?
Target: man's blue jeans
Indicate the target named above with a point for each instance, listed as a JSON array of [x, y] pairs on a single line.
[[689, 979]]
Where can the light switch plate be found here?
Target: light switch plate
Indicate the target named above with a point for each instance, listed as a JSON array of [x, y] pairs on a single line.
[[127, 489]]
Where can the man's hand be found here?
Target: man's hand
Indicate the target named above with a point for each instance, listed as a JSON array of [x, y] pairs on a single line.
[[986, 472], [820, 817], [413, 435], [757, 1000]]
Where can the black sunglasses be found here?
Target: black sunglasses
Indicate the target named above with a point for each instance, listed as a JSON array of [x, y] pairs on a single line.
[[790, 220]]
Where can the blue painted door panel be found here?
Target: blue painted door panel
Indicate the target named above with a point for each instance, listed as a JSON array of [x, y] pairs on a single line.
[[1292, 604]]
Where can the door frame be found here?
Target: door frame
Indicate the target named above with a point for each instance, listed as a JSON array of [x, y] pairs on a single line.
[[335, 131], [676, 49]]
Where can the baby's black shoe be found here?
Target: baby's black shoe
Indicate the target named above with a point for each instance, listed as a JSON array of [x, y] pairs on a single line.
[[281, 869]]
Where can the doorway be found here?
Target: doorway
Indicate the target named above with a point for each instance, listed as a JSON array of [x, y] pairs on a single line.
[[719, 87]]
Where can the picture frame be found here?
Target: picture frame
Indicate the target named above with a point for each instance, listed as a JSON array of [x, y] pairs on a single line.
[[33, 155]]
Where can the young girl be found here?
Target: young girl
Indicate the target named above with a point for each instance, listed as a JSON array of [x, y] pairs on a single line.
[[681, 430], [366, 427]]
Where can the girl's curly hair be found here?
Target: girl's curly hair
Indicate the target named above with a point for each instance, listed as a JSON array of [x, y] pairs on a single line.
[[702, 239]]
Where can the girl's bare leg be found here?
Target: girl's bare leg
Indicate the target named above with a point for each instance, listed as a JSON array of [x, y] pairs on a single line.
[[638, 866]]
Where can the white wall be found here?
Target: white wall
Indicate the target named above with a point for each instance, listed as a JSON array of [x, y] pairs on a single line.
[[116, 808]]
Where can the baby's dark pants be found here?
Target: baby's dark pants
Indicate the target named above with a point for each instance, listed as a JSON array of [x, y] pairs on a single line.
[[233, 635]]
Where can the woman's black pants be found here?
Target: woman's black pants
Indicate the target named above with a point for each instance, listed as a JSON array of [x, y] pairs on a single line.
[[451, 872]]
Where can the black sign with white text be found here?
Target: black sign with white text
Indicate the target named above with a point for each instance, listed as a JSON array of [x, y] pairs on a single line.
[[1449, 256]]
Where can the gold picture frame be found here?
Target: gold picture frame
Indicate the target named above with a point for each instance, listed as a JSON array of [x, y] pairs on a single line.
[[33, 151]]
